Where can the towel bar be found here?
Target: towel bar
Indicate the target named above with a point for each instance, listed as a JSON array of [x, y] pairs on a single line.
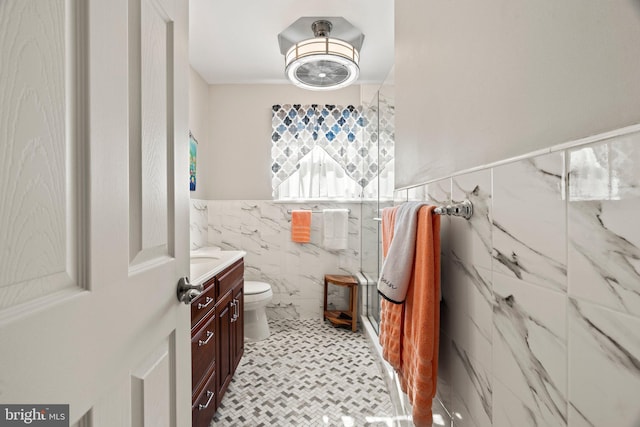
[[464, 209], [313, 211]]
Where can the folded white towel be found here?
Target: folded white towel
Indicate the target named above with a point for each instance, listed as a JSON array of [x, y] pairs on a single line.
[[335, 228], [396, 269]]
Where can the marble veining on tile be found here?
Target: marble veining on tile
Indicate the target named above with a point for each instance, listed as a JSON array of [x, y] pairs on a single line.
[[295, 271], [530, 347], [437, 193], [604, 357], [475, 278], [473, 326], [472, 238], [605, 194], [509, 410], [370, 236], [472, 390], [529, 220], [198, 220]]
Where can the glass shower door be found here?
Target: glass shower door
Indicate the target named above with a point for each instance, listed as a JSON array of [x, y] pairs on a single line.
[[370, 226], [379, 142]]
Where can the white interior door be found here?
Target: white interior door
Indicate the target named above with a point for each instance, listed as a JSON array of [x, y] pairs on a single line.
[[94, 209]]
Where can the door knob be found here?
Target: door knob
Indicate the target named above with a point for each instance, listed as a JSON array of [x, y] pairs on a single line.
[[188, 292]]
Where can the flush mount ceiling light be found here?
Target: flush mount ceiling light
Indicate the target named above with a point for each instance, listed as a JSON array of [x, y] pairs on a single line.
[[321, 62]]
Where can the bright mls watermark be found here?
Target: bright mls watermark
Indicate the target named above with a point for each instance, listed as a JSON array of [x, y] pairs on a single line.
[[34, 415]]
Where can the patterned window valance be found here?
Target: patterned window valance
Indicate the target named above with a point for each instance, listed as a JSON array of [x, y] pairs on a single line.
[[297, 129]]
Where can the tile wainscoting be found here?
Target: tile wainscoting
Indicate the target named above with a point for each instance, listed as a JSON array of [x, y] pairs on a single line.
[[294, 270], [540, 317], [199, 223]]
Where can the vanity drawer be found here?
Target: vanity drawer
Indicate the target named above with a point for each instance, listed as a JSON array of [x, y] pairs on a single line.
[[203, 304], [230, 277], [204, 406], [203, 352]]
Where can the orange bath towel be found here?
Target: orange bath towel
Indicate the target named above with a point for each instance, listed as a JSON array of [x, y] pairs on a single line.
[[301, 226], [391, 315], [409, 332], [420, 335]]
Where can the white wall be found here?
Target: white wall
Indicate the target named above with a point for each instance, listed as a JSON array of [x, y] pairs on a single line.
[[198, 124], [482, 81], [237, 160]]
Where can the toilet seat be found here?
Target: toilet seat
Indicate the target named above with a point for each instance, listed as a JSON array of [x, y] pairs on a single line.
[[256, 293], [255, 288]]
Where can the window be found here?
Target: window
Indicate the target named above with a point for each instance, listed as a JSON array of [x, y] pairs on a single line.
[[324, 152]]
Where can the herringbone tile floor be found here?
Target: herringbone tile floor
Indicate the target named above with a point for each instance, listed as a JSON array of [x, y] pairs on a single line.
[[307, 373]]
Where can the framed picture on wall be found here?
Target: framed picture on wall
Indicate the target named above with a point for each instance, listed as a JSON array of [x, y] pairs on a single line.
[[193, 154]]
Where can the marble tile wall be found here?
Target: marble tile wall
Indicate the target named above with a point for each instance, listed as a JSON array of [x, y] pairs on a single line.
[[540, 317], [294, 270], [198, 226]]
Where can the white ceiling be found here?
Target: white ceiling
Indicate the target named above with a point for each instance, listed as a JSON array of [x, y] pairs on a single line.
[[236, 41]]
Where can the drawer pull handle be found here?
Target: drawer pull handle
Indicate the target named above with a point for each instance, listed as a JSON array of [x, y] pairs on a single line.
[[233, 316], [201, 406], [208, 300], [205, 342]]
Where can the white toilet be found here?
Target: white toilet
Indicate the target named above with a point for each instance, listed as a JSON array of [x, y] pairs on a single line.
[[256, 297]]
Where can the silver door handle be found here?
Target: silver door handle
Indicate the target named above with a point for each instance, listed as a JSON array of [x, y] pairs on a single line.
[[233, 316], [188, 292]]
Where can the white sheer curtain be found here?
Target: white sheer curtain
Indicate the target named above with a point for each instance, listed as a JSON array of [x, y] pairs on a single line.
[[318, 177]]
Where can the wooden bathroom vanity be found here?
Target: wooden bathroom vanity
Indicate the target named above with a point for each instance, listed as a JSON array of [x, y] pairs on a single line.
[[217, 335]]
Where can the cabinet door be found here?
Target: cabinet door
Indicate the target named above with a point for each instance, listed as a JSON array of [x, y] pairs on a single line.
[[238, 325], [224, 361], [203, 353]]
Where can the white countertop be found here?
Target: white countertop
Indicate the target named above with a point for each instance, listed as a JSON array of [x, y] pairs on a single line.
[[207, 262]]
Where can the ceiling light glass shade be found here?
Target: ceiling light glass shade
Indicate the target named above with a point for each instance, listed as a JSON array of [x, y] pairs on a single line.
[[322, 63]]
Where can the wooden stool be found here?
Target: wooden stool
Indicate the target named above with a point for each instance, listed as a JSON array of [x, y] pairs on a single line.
[[342, 317]]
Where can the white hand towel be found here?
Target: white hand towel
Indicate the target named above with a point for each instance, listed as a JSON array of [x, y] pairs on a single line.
[[335, 229], [396, 269]]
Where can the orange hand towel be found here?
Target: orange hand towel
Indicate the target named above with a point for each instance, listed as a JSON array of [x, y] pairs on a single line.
[[391, 315], [301, 226], [420, 336]]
